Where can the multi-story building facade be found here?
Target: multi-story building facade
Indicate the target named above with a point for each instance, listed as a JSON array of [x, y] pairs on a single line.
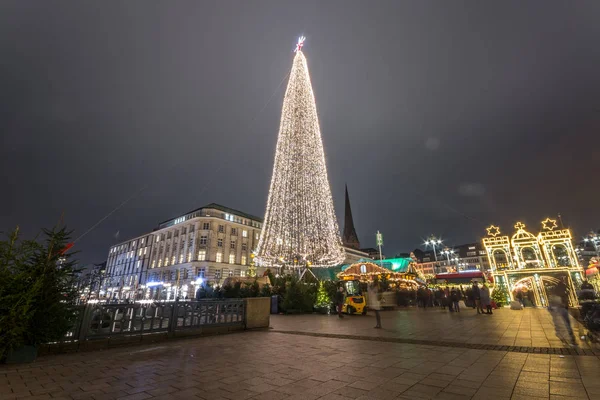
[[468, 256], [208, 245], [125, 267]]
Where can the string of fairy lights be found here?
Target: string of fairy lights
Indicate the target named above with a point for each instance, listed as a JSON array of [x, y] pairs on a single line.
[[300, 226]]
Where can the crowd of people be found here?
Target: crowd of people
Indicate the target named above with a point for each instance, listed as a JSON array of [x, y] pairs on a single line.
[[473, 296]]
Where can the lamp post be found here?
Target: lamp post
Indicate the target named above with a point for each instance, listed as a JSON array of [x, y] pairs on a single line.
[[433, 242]]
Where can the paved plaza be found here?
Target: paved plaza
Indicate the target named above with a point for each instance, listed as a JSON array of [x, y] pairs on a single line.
[[527, 328], [290, 365]]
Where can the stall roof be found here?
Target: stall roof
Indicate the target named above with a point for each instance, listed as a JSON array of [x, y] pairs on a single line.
[[393, 264]]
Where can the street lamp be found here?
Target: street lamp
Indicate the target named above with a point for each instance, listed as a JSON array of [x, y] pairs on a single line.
[[433, 242]]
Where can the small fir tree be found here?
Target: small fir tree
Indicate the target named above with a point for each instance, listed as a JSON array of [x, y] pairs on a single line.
[[323, 299]]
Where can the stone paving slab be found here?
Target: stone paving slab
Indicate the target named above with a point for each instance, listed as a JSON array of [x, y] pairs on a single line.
[[269, 365]]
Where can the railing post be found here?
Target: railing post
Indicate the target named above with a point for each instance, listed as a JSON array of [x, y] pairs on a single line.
[[173, 317]]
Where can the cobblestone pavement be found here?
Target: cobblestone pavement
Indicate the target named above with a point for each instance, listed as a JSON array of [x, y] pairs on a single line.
[[530, 328], [271, 365]]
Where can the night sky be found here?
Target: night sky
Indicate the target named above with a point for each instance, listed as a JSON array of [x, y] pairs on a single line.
[[442, 117]]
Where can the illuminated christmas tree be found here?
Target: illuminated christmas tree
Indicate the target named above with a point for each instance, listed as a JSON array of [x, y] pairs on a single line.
[[300, 226]]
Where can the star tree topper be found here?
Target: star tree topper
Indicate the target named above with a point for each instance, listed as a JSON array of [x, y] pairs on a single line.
[[549, 224], [493, 230], [300, 44]]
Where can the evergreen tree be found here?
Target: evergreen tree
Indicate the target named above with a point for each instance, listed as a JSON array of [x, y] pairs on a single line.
[[37, 290], [323, 299]]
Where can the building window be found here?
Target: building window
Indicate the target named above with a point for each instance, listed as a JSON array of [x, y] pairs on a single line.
[[218, 274], [244, 246], [242, 273], [157, 238], [202, 255], [140, 252], [233, 231], [184, 231], [203, 240], [185, 273], [232, 244], [160, 263], [219, 257], [181, 259], [173, 260], [138, 264], [243, 260], [471, 253], [153, 264], [230, 272], [189, 256], [219, 242], [221, 228], [232, 259], [169, 235], [200, 272], [256, 236], [206, 226], [244, 233], [145, 250]]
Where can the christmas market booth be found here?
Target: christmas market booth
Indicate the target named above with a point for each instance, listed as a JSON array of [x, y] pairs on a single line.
[[399, 272], [592, 273], [461, 278], [529, 268]]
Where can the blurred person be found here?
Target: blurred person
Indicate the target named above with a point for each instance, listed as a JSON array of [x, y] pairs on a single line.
[[374, 293], [455, 298], [339, 301], [477, 297], [559, 309], [486, 301]]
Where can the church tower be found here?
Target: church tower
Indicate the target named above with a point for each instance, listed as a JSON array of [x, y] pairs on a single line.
[[350, 238]]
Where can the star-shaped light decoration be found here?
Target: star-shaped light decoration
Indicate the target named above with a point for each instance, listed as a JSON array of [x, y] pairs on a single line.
[[549, 224], [300, 43], [493, 230], [520, 226]]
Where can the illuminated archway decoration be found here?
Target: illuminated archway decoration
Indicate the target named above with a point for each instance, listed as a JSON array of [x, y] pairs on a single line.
[[543, 272], [494, 243], [523, 240], [550, 238]]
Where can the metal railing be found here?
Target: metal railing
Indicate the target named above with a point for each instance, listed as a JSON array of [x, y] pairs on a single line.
[[112, 320]]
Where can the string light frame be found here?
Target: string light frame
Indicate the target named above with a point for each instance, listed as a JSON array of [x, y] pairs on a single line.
[[520, 273], [300, 221], [495, 243], [522, 240], [549, 239]]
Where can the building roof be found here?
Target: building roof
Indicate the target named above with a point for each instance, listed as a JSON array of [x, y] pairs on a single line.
[[220, 208]]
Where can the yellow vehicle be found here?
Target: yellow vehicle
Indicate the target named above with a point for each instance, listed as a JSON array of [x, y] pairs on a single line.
[[355, 302]]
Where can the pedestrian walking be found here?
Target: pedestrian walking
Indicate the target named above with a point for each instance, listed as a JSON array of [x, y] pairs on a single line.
[[455, 298], [339, 301], [477, 297], [486, 301], [374, 294], [559, 309]]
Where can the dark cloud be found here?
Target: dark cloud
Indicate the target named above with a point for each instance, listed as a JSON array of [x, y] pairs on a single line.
[[422, 105]]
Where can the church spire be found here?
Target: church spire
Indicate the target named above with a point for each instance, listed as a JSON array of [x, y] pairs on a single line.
[[350, 238]]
